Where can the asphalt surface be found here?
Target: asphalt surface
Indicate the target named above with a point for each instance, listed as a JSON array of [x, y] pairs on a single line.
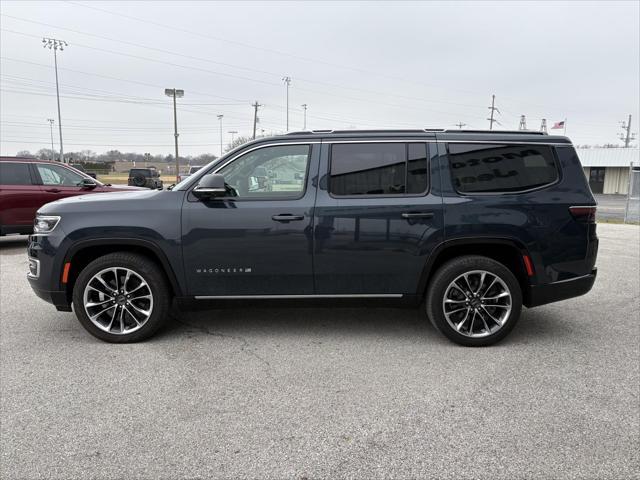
[[326, 393]]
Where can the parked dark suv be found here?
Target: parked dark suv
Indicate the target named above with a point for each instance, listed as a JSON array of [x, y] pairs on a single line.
[[145, 177], [476, 224]]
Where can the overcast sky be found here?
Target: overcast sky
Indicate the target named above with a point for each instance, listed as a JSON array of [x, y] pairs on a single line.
[[356, 65]]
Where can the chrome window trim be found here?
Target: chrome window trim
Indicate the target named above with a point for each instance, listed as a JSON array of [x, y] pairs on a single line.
[[354, 295]]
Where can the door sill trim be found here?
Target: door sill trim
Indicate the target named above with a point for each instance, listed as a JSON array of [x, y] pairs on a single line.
[[354, 295]]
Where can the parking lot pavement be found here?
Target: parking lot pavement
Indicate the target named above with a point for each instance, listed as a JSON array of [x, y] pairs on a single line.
[[326, 393]]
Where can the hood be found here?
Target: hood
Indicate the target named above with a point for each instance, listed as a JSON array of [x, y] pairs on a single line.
[[130, 200], [124, 188]]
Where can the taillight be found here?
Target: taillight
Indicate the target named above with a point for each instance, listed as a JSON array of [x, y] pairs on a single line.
[[584, 214]]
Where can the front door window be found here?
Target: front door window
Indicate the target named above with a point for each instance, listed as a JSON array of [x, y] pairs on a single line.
[[269, 173]]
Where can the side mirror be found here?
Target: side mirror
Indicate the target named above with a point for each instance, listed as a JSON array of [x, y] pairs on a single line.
[[211, 185], [88, 184]]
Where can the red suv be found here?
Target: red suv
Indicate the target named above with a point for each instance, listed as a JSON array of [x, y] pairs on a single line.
[[27, 183]]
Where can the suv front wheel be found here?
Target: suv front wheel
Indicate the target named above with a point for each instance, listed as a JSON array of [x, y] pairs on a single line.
[[474, 300], [121, 297]]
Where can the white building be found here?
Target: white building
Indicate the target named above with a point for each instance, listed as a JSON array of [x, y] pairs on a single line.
[[608, 168]]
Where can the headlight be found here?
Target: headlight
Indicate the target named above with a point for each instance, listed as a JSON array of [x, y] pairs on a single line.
[[45, 224]]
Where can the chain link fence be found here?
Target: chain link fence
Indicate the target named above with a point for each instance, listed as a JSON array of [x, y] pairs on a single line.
[[632, 208]]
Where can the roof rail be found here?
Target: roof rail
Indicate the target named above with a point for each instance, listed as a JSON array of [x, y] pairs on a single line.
[[301, 132], [427, 130], [497, 132]]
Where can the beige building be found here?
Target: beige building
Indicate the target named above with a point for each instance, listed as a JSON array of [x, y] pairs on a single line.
[[608, 168]]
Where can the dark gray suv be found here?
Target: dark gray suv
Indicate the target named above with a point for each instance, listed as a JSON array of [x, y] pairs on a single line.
[[145, 177], [473, 225]]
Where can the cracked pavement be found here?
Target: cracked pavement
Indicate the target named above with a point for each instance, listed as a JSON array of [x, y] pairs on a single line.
[[269, 392]]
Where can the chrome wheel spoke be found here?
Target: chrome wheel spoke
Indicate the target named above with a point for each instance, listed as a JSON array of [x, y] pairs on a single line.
[[96, 304], [118, 311], [486, 299], [93, 317]]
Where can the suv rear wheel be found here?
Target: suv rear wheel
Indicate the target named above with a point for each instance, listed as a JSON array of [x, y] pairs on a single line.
[[121, 297], [474, 300]]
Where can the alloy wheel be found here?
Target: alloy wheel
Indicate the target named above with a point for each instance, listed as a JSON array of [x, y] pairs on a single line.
[[477, 303], [118, 300]]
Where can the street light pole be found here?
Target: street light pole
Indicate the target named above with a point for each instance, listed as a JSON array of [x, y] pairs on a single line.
[[55, 44], [287, 81], [172, 92], [304, 106], [220, 118], [51, 120]]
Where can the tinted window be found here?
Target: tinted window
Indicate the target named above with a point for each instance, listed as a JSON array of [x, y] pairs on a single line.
[[269, 172], [417, 168], [14, 174], [478, 168], [57, 175]]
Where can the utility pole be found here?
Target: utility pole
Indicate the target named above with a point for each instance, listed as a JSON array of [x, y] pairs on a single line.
[[460, 125], [543, 125], [51, 120], [220, 118], [255, 106], [55, 45], [627, 137], [493, 110], [304, 107], [172, 92], [233, 135], [523, 123], [287, 81]]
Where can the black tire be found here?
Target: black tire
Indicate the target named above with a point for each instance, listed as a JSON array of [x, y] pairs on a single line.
[[147, 270], [450, 271]]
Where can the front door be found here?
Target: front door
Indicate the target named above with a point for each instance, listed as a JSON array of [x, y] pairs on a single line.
[[257, 240], [58, 181], [596, 179], [378, 216]]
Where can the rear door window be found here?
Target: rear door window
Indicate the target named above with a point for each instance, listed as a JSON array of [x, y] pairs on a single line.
[[15, 174], [378, 169], [495, 168]]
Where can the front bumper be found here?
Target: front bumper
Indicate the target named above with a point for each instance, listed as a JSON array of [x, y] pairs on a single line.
[[556, 291], [57, 298], [45, 279]]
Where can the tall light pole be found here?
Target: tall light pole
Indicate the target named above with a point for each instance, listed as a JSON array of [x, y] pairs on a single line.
[[233, 135], [304, 107], [172, 92], [51, 120], [55, 45], [287, 81], [220, 119]]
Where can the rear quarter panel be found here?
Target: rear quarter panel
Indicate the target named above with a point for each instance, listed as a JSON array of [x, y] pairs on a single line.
[[539, 221]]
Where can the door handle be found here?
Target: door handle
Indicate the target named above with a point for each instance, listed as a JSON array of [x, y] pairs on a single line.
[[53, 190], [417, 215], [287, 217]]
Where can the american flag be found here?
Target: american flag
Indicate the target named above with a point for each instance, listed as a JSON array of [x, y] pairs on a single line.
[[558, 125]]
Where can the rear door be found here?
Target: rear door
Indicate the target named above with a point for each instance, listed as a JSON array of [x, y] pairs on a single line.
[[58, 181], [20, 197], [378, 215]]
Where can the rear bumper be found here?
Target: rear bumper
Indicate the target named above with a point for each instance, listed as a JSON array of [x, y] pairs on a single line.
[[556, 291]]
